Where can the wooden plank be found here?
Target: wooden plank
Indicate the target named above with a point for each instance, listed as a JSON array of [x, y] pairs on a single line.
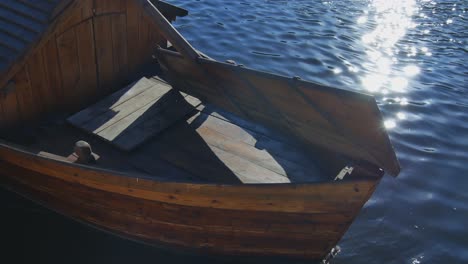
[[2, 116], [40, 83], [247, 171], [147, 122], [117, 113], [143, 112], [135, 113], [144, 41], [87, 86], [10, 108], [109, 6], [196, 81], [119, 43], [63, 16], [153, 165], [74, 18], [262, 157], [69, 65], [120, 213], [254, 135], [53, 71], [261, 132], [235, 147], [157, 39], [200, 162], [284, 104], [87, 9], [79, 14], [344, 196], [26, 100], [185, 147], [110, 102], [133, 20], [104, 52]]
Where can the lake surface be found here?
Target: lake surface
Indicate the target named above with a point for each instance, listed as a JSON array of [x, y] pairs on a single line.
[[411, 55]]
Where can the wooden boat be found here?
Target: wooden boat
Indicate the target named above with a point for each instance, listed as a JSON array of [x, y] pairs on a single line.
[[187, 152]]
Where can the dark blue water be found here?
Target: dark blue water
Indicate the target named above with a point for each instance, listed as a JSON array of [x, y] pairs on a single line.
[[410, 54]]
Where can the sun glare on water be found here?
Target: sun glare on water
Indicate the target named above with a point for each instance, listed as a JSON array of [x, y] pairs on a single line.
[[390, 21]]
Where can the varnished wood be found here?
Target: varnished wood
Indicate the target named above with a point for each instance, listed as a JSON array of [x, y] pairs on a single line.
[[26, 102], [10, 107], [133, 24], [104, 52], [118, 54], [85, 91], [54, 73], [109, 6], [325, 209], [119, 48], [67, 49], [61, 16], [38, 78]]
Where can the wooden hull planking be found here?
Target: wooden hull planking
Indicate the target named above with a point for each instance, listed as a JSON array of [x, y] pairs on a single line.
[[291, 220]]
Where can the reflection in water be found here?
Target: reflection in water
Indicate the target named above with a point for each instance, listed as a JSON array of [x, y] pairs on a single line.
[[384, 73]]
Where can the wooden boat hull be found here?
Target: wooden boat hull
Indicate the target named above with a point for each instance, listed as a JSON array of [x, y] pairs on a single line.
[[302, 221]]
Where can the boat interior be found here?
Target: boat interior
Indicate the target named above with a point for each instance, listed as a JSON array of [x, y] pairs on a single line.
[[152, 129], [185, 117]]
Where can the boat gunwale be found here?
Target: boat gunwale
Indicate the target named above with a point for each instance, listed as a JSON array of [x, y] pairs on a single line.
[[17, 149]]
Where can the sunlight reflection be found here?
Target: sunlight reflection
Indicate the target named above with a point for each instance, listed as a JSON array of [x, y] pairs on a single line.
[[398, 84], [390, 123], [411, 70], [401, 116], [385, 74], [337, 70], [393, 19]]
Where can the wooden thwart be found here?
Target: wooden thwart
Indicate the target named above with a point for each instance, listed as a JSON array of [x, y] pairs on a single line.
[[132, 115]]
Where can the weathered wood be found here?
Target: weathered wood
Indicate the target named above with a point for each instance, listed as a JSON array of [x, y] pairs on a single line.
[[148, 121], [114, 114], [262, 157], [111, 101], [136, 118], [286, 105], [277, 144]]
